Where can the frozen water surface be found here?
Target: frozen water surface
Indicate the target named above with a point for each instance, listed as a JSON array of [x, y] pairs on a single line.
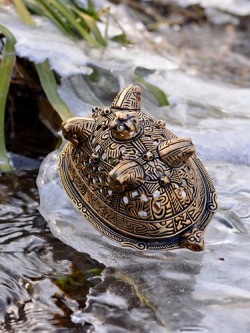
[[176, 291], [206, 291]]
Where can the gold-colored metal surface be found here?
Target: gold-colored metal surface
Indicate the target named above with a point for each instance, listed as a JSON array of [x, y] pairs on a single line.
[[134, 180]]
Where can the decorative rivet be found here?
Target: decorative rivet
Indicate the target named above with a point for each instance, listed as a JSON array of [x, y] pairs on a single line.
[[95, 111], [105, 112], [161, 123], [164, 180], [148, 156], [94, 157]]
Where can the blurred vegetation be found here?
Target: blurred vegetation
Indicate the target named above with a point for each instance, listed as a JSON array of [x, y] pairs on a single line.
[[154, 13], [76, 284], [29, 90], [77, 23], [159, 95], [6, 67]]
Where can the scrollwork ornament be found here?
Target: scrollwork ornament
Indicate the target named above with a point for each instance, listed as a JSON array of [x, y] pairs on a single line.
[[134, 180]]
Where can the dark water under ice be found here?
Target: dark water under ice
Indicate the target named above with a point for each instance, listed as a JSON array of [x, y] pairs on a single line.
[[42, 280]]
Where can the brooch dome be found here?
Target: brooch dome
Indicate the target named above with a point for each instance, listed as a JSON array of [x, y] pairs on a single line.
[[134, 180]]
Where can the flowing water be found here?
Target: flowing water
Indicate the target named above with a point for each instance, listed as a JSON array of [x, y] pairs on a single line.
[[42, 280], [74, 279]]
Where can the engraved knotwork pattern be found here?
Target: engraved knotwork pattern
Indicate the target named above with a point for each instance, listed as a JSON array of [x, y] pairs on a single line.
[[133, 179]]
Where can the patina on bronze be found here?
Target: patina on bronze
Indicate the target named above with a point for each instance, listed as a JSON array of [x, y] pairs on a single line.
[[134, 180]]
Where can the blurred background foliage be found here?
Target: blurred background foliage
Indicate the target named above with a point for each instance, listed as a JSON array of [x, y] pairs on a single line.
[[31, 109], [29, 97]]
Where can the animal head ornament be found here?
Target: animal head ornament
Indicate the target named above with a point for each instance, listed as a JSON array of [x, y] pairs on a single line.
[[134, 180]]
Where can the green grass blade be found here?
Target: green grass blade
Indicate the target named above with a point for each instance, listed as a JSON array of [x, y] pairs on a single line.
[[122, 39], [33, 7], [56, 18], [71, 18], [23, 12], [91, 24], [6, 68], [47, 79], [82, 8], [157, 92], [44, 9], [49, 85], [91, 6]]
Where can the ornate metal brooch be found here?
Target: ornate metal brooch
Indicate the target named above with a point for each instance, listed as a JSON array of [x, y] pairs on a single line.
[[134, 180]]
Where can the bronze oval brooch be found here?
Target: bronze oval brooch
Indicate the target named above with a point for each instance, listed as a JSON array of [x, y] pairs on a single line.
[[134, 180]]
